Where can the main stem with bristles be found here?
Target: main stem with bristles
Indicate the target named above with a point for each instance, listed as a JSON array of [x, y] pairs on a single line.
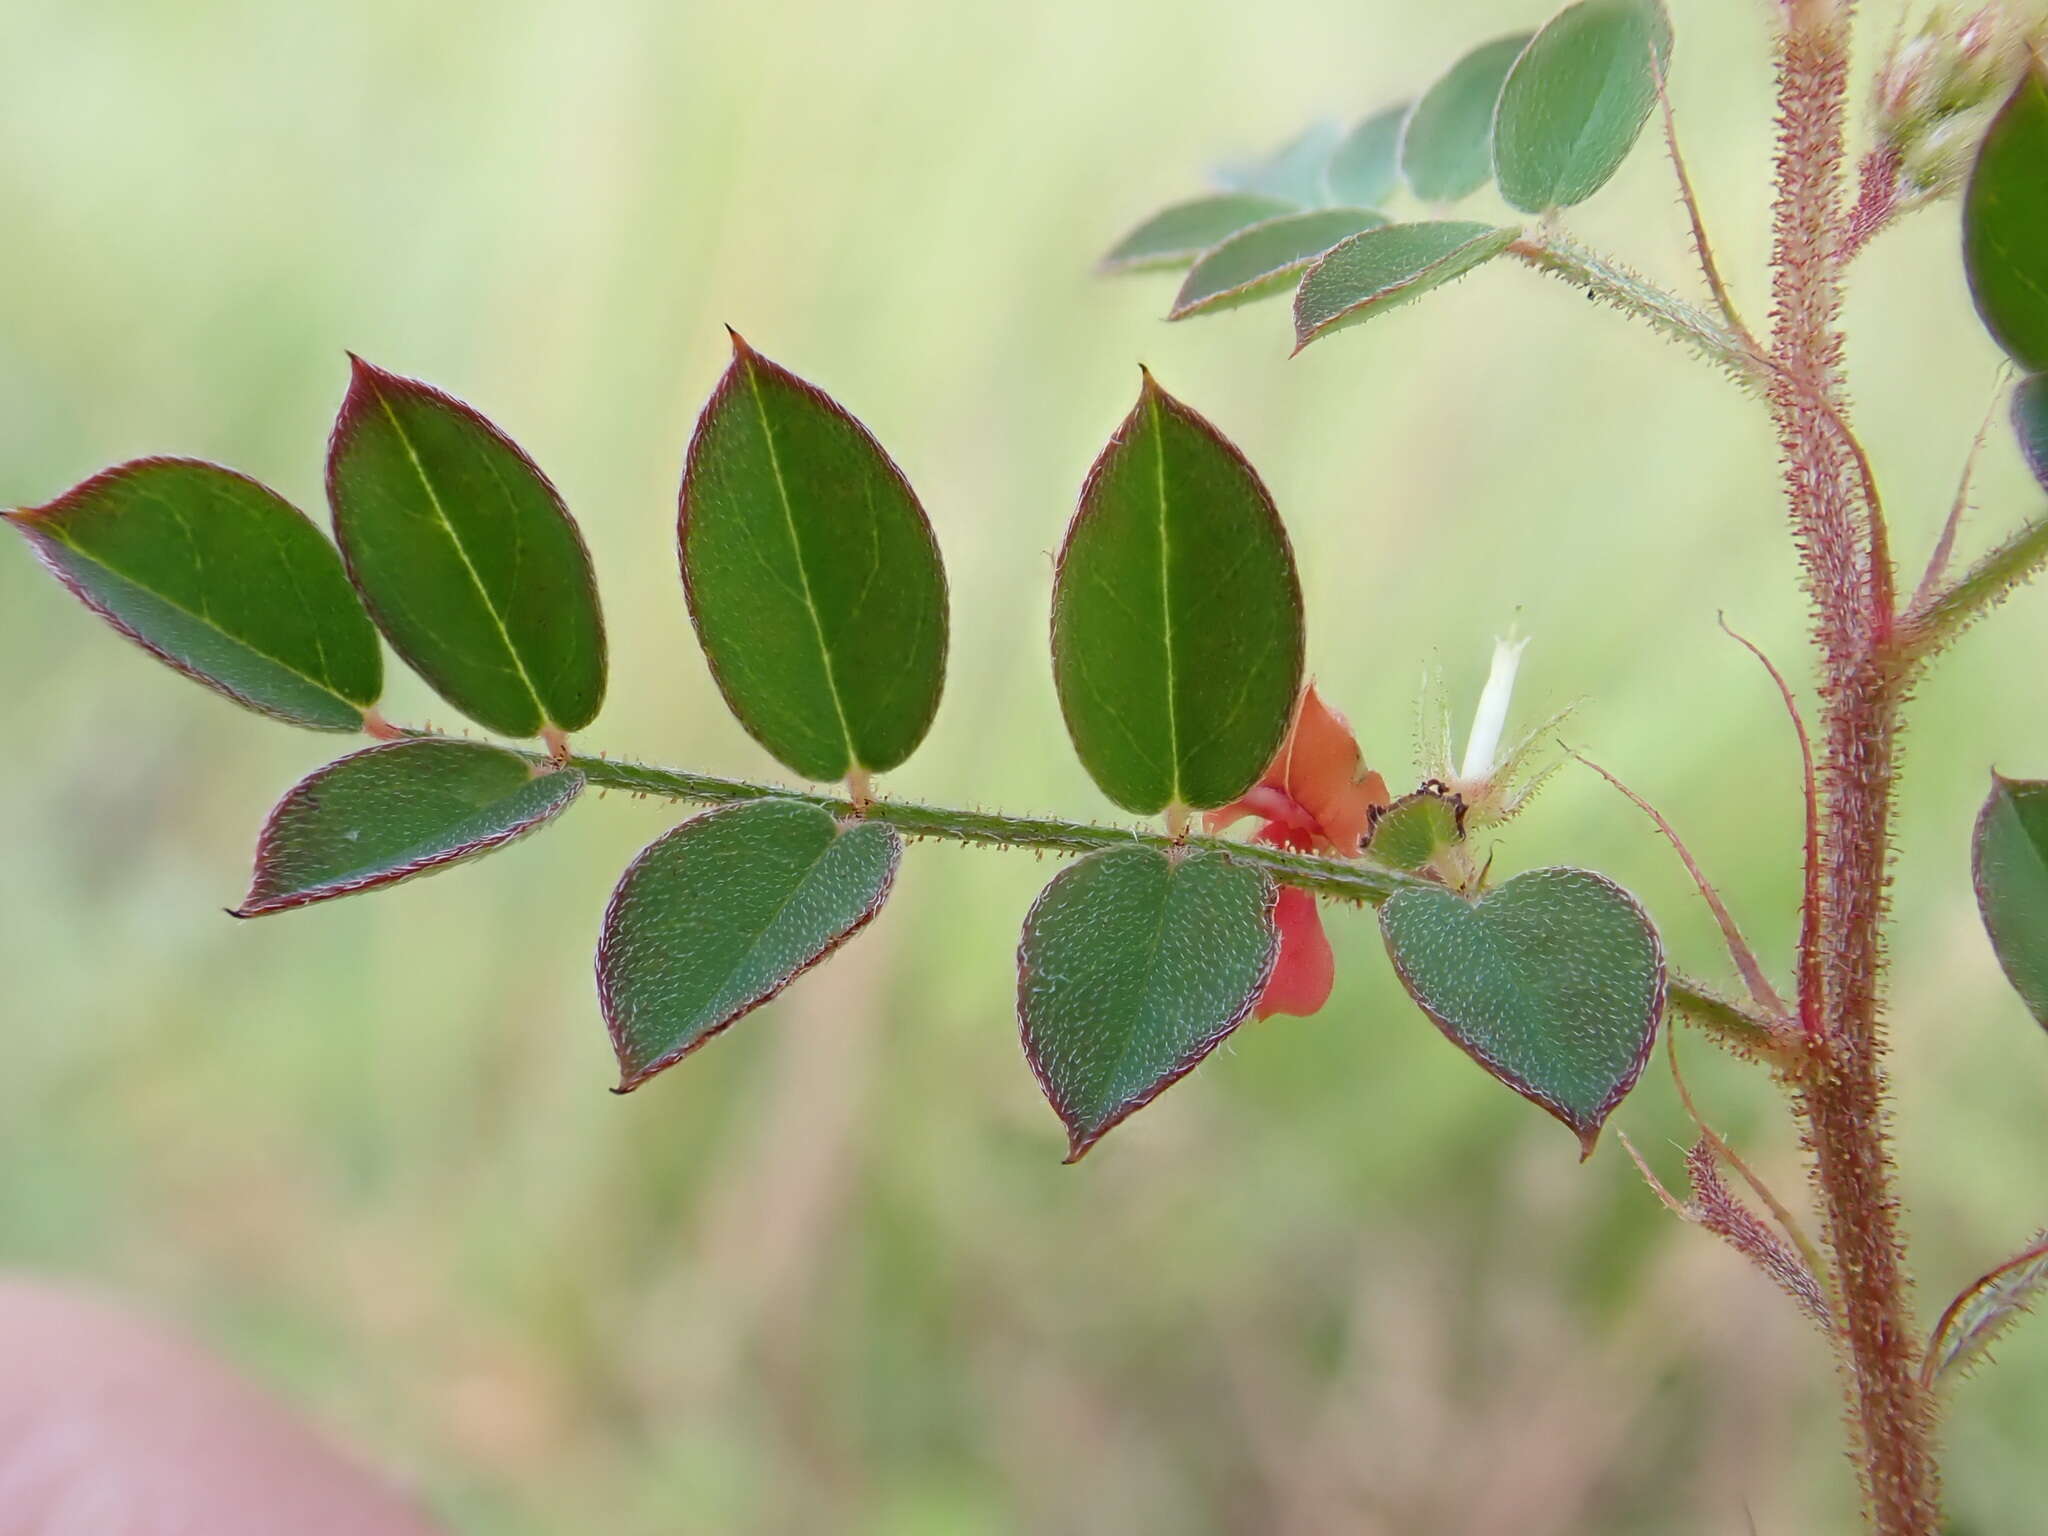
[[1841, 536]]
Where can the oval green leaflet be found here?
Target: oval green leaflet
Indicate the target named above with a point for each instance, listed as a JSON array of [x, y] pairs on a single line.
[[1177, 622], [1576, 100], [811, 574], [1385, 268], [1447, 142], [396, 811], [220, 578], [1553, 981], [2005, 223], [1135, 963], [467, 557], [2009, 867], [719, 915], [1176, 235], [1264, 259]]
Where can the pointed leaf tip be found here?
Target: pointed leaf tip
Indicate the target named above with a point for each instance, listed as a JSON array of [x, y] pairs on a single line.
[[1176, 688], [1133, 966], [716, 917], [812, 576], [466, 555], [397, 811], [1553, 981]]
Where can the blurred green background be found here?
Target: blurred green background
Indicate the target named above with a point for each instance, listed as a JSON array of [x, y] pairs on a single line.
[[831, 1276]]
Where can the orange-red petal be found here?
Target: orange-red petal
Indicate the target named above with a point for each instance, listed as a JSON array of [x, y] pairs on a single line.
[[1306, 969], [1322, 770]]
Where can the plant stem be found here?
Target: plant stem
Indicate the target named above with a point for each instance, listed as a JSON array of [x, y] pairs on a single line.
[[1841, 1096]]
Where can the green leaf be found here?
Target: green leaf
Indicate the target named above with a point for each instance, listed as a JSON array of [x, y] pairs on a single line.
[[1554, 982], [222, 579], [812, 575], [1135, 964], [1385, 268], [1416, 829], [1175, 236], [716, 917], [2005, 223], [1577, 98], [1176, 620], [2009, 865], [1264, 259], [1364, 168], [397, 810], [1447, 142], [1294, 171], [466, 556], [1985, 1309], [2030, 423]]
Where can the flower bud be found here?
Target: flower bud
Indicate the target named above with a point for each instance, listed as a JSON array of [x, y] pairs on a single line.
[[1938, 87]]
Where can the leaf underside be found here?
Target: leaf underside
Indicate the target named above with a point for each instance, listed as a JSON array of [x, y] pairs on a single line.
[[1134, 965], [1264, 260], [1175, 236], [220, 578], [1177, 621], [1388, 267], [812, 575], [719, 915], [396, 811], [1553, 981]]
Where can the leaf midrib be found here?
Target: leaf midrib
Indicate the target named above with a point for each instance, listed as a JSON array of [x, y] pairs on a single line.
[[1166, 607], [324, 685], [803, 573], [462, 553]]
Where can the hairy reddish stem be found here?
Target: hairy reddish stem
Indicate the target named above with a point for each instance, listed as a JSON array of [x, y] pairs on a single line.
[[1840, 528]]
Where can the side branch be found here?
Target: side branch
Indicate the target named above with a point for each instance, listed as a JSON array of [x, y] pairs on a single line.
[[1561, 257], [1949, 611]]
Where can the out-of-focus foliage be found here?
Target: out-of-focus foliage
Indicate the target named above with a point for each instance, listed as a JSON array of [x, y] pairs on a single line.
[[830, 1276]]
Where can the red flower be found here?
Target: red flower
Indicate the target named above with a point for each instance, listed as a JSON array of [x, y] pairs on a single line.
[[1317, 796]]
